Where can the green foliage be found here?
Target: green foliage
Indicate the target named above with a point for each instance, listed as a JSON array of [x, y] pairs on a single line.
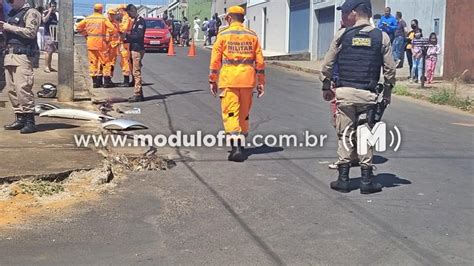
[[401, 90], [447, 97]]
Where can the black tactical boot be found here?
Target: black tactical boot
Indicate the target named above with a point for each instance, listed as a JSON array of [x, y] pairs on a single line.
[[236, 154], [126, 82], [108, 82], [18, 124], [95, 82], [342, 182], [100, 81], [367, 184], [132, 83], [30, 126]]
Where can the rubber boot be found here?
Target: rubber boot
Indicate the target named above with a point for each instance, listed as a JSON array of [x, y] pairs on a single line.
[[108, 82], [236, 154], [342, 182], [18, 124], [126, 82], [367, 184], [30, 126], [95, 82]]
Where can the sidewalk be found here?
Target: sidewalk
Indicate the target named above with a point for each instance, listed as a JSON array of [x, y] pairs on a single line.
[[314, 67], [52, 149]]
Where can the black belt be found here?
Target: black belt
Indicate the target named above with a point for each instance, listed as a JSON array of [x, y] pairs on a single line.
[[19, 51]]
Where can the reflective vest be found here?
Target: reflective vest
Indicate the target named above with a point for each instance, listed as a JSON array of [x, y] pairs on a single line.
[[237, 60], [360, 58], [95, 27], [20, 44]]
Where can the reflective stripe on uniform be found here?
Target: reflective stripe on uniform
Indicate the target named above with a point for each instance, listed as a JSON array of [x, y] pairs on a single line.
[[213, 71], [238, 62], [237, 32], [96, 35], [260, 71]]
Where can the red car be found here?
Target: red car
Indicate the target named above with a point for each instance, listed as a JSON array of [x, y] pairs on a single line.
[[157, 34]]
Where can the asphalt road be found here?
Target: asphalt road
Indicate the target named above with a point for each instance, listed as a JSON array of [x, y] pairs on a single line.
[[276, 208]]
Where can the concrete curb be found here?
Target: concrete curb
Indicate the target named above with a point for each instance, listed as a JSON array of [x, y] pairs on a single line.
[[293, 67]]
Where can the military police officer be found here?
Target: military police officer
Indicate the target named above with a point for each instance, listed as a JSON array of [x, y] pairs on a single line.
[[360, 52], [20, 30]]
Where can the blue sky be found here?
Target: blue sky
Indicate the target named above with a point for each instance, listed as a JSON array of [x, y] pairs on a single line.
[[84, 7]]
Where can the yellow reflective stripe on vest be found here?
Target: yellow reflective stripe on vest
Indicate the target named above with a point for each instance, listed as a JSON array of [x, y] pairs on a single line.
[[237, 32]]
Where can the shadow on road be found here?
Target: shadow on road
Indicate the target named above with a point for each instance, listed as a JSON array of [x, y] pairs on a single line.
[[53, 126], [387, 180], [164, 96], [377, 159], [261, 150]]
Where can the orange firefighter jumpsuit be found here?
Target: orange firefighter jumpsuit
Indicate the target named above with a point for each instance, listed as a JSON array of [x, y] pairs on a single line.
[[113, 41], [237, 64], [125, 27], [95, 28]]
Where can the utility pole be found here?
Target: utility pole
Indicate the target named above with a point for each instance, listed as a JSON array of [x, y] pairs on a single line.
[[66, 52]]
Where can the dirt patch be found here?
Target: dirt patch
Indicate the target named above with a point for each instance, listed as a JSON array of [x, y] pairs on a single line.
[[38, 198]]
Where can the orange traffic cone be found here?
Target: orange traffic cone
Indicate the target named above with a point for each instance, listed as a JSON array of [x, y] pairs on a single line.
[[171, 48], [192, 49]]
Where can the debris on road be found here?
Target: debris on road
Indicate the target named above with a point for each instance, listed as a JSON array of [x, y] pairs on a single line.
[[42, 107], [141, 162], [123, 124], [76, 114]]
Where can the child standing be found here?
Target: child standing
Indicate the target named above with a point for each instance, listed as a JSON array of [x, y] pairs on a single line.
[[432, 57], [417, 69]]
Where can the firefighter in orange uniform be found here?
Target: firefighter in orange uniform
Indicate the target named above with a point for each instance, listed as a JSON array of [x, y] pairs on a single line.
[[113, 49], [95, 28], [125, 27], [237, 66]]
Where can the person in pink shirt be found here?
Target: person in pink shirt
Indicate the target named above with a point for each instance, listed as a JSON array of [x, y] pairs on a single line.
[[432, 57]]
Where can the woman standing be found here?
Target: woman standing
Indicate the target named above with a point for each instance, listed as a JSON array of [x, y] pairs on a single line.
[[410, 38]]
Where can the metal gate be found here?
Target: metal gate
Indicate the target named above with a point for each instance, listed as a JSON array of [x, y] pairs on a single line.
[[299, 25]]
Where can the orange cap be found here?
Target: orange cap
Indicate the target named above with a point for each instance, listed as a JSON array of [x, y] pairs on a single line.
[[112, 11], [98, 7], [236, 10]]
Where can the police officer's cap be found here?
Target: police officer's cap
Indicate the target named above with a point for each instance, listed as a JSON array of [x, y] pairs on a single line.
[[236, 10], [350, 5]]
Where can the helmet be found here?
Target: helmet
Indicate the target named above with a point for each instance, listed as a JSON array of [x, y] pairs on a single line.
[[48, 90]]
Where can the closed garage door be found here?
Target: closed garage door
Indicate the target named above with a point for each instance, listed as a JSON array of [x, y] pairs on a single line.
[[325, 30], [299, 25]]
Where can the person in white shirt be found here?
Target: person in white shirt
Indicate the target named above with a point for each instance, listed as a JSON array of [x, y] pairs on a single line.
[[197, 27]]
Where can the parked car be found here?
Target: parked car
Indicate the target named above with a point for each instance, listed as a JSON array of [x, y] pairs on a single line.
[[157, 34], [77, 19]]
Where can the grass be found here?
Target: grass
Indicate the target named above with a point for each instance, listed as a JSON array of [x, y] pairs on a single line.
[[445, 96], [40, 188], [401, 90], [448, 97]]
